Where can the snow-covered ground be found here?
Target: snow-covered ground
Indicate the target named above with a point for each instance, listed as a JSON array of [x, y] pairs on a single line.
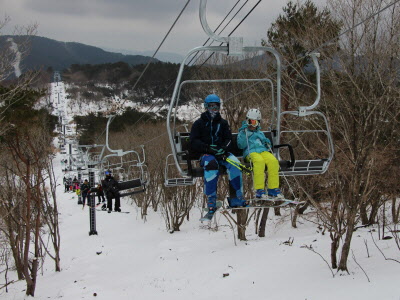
[[133, 259], [17, 60]]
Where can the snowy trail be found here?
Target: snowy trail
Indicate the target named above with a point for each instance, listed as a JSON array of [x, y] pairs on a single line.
[[143, 261]]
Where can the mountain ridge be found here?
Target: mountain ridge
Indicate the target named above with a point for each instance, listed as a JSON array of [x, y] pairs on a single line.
[[48, 53]]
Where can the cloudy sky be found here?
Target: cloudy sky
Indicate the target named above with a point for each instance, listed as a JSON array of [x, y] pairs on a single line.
[[137, 25]]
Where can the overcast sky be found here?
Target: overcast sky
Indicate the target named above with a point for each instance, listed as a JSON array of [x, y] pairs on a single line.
[[137, 24]]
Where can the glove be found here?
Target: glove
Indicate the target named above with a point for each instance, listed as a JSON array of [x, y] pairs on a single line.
[[215, 150], [244, 127]]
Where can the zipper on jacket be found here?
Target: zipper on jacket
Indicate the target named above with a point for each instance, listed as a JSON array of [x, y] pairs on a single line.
[[212, 137]]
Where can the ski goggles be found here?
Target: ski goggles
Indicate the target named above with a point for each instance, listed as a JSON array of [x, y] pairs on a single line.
[[253, 123], [107, 173], [213, 106]]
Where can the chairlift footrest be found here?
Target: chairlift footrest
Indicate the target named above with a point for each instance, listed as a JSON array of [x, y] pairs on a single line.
[[179, 182]]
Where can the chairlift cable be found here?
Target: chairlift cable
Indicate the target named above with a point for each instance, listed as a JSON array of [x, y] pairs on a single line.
[[153, 105], [212, 42], [150, 60], [203, 45], [358, 24], [324, 44], [162, 42]]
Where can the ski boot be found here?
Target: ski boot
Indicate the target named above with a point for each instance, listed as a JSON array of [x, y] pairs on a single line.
[[276, 194], [237, 202], [260, 193], [209, 215]]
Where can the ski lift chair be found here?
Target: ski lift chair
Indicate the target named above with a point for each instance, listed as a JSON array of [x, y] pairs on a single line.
[[183, 156], [137, 175]]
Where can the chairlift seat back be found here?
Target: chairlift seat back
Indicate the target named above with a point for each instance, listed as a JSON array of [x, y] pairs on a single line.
[[300, 167]]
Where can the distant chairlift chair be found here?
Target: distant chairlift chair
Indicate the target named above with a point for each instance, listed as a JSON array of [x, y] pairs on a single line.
[[132, 170]]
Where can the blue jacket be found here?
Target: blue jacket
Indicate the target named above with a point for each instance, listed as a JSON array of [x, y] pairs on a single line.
[[252, 140], [206, 131]]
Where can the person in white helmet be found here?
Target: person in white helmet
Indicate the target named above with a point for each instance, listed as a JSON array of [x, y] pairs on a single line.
[[256, 148]]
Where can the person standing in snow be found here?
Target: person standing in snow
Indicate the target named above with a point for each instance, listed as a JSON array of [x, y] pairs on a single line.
[[84, 191], [75, 182], [66, 185], [211, 137], [110, 187], [256, 149], [69, 184], [100, 194]]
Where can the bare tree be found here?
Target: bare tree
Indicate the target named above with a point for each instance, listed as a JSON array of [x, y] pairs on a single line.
[[50, 213], [364, 107]]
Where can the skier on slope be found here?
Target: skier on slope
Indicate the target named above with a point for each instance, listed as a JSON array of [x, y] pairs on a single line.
[[256, 149], [211, 137], [75, 182], [66, 184]]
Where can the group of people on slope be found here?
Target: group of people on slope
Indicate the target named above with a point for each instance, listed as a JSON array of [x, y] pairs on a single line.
[[71, 185], [109, 185], [211, 137]]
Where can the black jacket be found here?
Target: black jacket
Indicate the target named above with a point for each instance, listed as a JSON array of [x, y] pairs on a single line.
[[84, 188], [110, 186], [206, 131]]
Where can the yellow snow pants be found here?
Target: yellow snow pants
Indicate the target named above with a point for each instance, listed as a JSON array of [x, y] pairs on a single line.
[[259, 161]]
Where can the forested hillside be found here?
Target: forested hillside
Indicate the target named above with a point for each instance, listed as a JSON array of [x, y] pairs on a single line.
[[43, 53], [105, 80]]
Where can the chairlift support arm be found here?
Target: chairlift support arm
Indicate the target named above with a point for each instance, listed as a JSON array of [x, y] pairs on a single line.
[[219, 49]]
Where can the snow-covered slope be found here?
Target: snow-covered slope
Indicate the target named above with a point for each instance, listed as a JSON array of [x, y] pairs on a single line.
[[133, 259]]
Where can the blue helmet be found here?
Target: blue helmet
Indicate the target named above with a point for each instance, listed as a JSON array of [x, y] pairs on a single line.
[[212, 98], [107, 173]]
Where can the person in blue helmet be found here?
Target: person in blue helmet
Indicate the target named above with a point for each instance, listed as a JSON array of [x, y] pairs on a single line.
[[211, 137], [110, 187]]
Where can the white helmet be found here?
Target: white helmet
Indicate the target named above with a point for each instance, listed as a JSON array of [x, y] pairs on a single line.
[[254, 114]]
